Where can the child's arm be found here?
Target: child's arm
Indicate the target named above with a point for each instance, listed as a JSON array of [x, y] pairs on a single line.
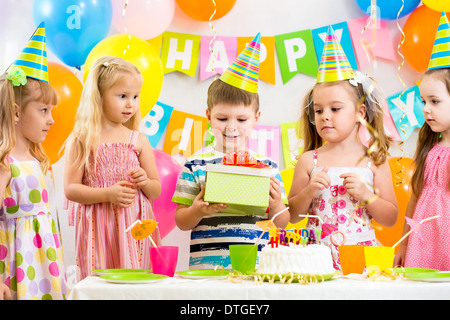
[[384, 208], [146, 176], [120, 193], [276, 204], [5, 293], [187, 217], [399, 259]]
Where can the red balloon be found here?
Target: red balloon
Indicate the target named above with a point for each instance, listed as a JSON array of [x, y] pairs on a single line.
[[163, 207]]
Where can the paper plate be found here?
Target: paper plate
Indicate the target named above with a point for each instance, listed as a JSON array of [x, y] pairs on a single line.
[[407, 271], [430, 276], [311, 278], [203, 274], [133, 278], [100, 272]]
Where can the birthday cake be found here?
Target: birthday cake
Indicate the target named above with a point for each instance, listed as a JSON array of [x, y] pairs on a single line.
[[298, 259]]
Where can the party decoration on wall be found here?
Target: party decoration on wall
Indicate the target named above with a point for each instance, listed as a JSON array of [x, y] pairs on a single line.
[[292, 143], [184, 134], [266, 57], [382, 46], [216, 62], [33, 58], [68, 88], [437, 5], [440, 56], [388, 9], [243, 73], [142, 55], [265, 141], [203, 10], [334, 65], [406, 111], [73, 28], [296, 54], [145, 19], [180, 52], [155, 122], [343, 37]]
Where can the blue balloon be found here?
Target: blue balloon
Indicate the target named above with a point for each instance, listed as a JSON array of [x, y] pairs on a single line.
[[73, 27], [388, 9]]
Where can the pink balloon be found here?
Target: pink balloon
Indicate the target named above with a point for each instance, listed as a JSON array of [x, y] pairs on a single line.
[[145, 19], [164, 208]]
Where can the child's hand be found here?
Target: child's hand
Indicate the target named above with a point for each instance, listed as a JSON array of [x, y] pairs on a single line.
[[275, 193], [356, 187], [5, 293], [319, 180], [204, 208], [122, 194], [138, 176]]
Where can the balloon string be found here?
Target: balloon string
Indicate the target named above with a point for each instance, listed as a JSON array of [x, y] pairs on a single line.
[[211, 66], [372, 21], [125, 27]]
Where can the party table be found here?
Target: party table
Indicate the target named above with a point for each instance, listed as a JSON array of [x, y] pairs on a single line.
[[177, 288]]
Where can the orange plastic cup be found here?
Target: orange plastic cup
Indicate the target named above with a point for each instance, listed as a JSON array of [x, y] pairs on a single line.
[[352, 259]]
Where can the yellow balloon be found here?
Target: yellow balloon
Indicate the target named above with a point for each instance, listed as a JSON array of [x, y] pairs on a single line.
[[140, 53], [437, 5], [287, 175]]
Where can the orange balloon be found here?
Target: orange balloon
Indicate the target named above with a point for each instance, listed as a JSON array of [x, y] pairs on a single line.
[[420, 32], [68, 88], [402, 170], [203, 10]]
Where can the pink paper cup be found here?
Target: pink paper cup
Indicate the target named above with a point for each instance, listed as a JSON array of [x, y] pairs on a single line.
[[164, 259]]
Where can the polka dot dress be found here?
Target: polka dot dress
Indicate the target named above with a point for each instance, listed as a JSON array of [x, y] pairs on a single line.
[[30, 253], [433, 250]]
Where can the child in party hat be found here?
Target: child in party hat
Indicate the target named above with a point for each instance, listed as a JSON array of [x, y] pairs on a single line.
[[31, 262], [430, 247], [233, 111], [342, 181]]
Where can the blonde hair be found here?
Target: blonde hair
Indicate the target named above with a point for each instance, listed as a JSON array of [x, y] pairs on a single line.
[[312, 139], [105, 72], [427, 138], [21, 95], [222, 92]]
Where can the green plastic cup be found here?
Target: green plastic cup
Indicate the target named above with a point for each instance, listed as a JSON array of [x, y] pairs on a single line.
[[243, 257]]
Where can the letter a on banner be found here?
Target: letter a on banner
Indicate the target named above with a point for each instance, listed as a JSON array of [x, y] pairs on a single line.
[[180, 52]]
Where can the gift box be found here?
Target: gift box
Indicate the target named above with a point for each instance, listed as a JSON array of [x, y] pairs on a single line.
[[244, 189]]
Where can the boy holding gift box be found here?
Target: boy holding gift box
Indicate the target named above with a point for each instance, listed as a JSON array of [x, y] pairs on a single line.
[[233, 111]]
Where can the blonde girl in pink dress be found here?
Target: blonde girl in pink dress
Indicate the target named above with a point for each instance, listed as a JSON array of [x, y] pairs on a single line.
[[430, 182], [110, 170]]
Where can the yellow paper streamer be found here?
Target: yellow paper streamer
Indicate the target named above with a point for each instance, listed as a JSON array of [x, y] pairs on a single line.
[[213, 38], [372, 21], [125, 27]]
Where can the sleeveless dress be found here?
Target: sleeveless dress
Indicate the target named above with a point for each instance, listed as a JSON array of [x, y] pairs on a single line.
[[340, 212], [31, 259], [431, 248], [101, 240]]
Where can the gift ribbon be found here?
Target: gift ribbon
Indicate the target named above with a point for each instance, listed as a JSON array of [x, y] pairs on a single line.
[[242, 159]]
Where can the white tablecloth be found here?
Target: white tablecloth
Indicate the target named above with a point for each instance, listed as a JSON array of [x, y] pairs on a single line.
[[177, 288]]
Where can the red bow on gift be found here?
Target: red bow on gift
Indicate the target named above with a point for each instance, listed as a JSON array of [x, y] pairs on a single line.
[[243, 159]]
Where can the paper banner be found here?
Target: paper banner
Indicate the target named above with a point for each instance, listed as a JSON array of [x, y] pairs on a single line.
[[184, 134], [296, 54], [291, 142], [155, 122], [342, 34], [266, 57], [382, 47], [265, 141], [225, 52], [180, 52], [408, 109]]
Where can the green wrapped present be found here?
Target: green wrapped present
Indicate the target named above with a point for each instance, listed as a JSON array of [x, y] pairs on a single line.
[[244, 189]]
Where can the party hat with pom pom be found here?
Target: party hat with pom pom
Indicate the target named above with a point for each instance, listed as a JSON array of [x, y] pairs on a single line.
[[440, 56]]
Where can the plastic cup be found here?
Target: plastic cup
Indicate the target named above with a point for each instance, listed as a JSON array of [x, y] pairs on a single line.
[[164, 259], [243, 257], [352, 259], [382, 257]]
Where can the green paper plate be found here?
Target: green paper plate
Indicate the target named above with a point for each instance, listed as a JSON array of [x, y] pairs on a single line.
[[311, 277], [407, 271], [133, 277], [203, 274], [100, 272], [430, 276]]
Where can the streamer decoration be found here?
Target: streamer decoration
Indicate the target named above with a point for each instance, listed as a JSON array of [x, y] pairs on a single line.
[[212, 40]]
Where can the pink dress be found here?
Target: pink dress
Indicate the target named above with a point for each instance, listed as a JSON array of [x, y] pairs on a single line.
[[433, 250], [101, 240]]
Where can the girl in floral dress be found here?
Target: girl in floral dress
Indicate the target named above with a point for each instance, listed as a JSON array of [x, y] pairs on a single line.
[[110, 170]]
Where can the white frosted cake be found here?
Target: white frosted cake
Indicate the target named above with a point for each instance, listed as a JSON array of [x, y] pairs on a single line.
[[312, 259]]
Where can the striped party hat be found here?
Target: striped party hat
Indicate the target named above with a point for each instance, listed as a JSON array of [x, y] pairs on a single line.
[[334, 65], [33, 58], [440, 56], [243, 73]]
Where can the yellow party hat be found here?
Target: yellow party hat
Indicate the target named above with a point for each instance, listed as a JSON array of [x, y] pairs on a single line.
[[440, 56]]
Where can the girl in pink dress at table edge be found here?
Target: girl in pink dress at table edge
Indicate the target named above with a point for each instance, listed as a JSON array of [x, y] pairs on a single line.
[[340, 181], [430, 248], [110, 170], [31, 259]]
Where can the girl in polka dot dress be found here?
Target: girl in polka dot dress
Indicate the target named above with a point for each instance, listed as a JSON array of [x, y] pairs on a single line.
[[430, 248], [31, 264]]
